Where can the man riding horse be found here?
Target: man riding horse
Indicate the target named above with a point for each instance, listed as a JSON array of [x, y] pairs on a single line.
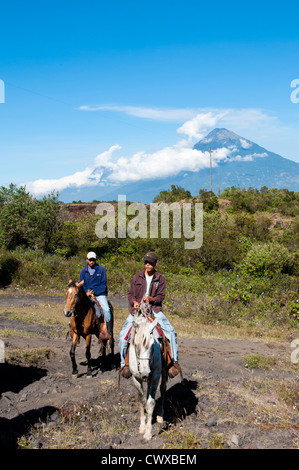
[[148, 286], [95, 279]]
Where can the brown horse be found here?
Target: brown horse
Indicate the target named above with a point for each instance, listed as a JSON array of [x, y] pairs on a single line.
[[85, 323]]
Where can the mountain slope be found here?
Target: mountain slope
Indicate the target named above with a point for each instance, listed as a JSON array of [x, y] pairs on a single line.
[[236, 160]]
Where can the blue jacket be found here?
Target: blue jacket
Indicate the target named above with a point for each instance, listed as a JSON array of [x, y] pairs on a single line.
[[97, 282]]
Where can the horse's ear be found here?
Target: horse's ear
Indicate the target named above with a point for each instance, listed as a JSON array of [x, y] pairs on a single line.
[[79, 284], [153, 324]]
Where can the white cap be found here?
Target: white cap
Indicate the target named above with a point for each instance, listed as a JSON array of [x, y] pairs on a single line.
[[91, 255]]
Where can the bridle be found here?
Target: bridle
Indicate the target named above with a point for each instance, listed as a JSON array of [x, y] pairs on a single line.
[[73, 310], [150, 358]]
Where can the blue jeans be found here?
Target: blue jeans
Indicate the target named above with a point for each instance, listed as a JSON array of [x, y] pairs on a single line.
[[166, 326], [102, 299]]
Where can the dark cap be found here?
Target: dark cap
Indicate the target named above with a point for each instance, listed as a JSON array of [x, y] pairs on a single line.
[[151, 257]]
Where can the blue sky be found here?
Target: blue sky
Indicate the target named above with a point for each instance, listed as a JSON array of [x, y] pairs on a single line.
[[97, 82]]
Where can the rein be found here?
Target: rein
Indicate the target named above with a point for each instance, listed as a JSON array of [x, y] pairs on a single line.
[[150, 359], [151, 355], [78, 298]]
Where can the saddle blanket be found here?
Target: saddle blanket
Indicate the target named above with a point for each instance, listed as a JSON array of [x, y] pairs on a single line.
[[157, 331]]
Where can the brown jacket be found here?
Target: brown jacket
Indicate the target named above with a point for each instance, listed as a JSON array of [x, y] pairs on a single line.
[[137, 290]]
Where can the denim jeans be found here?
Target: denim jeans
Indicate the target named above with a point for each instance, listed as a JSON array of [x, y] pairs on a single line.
[[102, 299], [166, 327]]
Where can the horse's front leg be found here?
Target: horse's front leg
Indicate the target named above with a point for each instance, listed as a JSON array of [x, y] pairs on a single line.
[[73, 354], [160, 414], [142, 403], [104, 353], [88, 355], [150, 405]]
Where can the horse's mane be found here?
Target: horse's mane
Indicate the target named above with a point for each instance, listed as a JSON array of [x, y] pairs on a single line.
[[81, 291], [139, 334], [72, 284]]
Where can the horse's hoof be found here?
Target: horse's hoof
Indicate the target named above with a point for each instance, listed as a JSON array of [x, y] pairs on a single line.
[[75, 375], [141, 430], [147, 437], [88, 375], [159, 419]]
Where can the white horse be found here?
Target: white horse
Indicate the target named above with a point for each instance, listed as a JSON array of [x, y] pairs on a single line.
[[145, 363]]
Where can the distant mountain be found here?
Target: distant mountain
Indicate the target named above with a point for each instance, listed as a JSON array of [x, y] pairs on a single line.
[[236, 162]]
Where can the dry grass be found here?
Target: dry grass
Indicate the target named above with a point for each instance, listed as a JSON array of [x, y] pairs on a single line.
[[180, 438], [29, 357], [7, 332], [51, 315], [78, 426]]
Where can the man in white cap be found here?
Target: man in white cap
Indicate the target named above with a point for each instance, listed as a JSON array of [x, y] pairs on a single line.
[[95, 278]]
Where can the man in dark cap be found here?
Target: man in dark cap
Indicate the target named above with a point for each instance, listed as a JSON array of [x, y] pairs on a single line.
[[149, 286]]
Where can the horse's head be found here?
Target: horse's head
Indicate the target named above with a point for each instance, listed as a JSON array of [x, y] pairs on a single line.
[[72, 296], [142, 340]]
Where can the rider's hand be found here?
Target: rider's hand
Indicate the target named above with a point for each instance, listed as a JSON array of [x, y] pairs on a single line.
[[148, 299], [136, 305]]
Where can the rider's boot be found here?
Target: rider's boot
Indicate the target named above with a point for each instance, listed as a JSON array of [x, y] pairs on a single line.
[[124, 371], [175, 370]]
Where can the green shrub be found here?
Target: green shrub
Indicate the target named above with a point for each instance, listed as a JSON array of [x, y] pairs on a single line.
[[268, 259], [175, 193], [26, 221]]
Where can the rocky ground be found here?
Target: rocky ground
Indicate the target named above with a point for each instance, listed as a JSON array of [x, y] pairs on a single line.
[[226, 400]]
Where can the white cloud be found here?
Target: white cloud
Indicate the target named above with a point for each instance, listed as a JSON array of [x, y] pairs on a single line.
[[80, 178], [45, 186], [200, 125], [140, 166], [230, 117], [245, 144], [156, 114], [108, 168], [249, 157]]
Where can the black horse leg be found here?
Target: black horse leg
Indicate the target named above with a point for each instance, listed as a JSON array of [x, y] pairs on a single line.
[[73, 357], [104, 351], [112, 362], [88, 355]]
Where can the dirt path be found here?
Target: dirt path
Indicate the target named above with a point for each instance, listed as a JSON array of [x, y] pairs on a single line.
[[222, 402]]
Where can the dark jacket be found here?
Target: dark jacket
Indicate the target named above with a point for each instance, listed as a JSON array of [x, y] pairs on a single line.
[[97, 282], [138, 287]]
